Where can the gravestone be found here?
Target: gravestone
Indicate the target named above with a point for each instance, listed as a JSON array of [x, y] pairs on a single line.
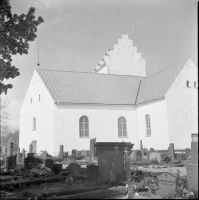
[[30, 148], [31, 161], [155, 156], [57, 168], [92, 172], [34, 146], [133, 156], [23, 154], [171, 151], [11, 161], [167, 183], [167, 159], [74, 169], [74, 153], [138, 155], [113, 159], [92, 149], [44, 154], [61, 152], [151, 150], [187, 153], [65, 154], [49, 163], [10, 148], [18, 153], [192, 168]]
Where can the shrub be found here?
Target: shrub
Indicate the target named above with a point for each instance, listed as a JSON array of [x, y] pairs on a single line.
[[154, 161], [69, 192], [98, 194]]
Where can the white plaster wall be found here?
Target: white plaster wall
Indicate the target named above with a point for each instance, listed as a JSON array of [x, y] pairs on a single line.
[[182, 107], [103, 124], [124, 59], [159, 138], [43, 111], [104, 70]]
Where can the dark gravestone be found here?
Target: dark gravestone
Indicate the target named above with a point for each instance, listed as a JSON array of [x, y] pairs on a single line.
[[92, 149], [74, 153], [151, 150], [11, 161], [61, 152], [187, 153], [30, 154], [171, 151], [74, 169], [167, 159], [138, 155], [49, 163], [57, 168], [92, 172], [31, 162]]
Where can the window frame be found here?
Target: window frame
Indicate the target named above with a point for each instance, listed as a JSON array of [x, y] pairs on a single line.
[[122, 127], [148, 125], [188, 84], [83, 127]]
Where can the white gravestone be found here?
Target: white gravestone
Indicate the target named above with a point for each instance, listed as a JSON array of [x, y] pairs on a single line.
[[167, 183]]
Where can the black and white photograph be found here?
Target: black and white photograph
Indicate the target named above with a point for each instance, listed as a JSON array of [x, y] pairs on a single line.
[[99, 99]]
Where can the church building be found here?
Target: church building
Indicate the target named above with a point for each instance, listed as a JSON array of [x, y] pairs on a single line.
[[116, 102]]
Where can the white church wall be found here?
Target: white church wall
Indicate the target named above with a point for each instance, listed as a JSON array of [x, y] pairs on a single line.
[[182, 107], [159, 138], [103, 124], [124, 59], [43, 112], [104, 70]]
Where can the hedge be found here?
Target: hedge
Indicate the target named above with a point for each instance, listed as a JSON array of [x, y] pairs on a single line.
[[98, 194], [30, 182], [69, 192]]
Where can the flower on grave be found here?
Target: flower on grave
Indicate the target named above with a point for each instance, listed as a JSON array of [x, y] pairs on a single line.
[[136, 194]]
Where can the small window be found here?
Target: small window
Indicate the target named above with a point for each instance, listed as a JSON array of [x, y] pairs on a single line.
[[31, 101], [195, 84], [188, 84], [34, 124], [84, 126], [122, 128], [148, 125], [39, 97]]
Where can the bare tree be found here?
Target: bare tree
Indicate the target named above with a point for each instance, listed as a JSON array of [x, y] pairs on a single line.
[[4, 115]]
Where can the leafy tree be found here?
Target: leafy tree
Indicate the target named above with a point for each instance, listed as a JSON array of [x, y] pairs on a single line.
[[16, 31]]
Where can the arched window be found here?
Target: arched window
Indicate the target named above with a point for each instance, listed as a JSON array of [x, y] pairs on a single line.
[[188, 84], [122, 130], [148, 125], [84, 126], [195, 84], [34, 124]]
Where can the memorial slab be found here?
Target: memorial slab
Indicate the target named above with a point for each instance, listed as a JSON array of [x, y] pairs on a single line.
[[167, 183], [74, 169]]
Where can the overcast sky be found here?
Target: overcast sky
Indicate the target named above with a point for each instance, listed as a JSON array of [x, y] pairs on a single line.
[[76, 34]]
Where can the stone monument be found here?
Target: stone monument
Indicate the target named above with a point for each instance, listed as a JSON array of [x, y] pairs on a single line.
[[113, 159]]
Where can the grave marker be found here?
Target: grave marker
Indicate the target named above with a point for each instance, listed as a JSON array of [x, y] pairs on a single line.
[[92, 171], [74, 169], [138, 155], [49, 163], [155, 155], [167, 183]]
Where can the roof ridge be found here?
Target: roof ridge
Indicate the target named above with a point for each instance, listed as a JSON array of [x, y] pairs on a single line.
[[168, 67], [90, 73]]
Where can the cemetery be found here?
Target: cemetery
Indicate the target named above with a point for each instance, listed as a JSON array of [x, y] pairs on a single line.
[[107, 170]]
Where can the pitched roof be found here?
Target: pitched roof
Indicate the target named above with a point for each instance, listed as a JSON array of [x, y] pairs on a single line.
[[90, 88], [94, 88], [156, 86]]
